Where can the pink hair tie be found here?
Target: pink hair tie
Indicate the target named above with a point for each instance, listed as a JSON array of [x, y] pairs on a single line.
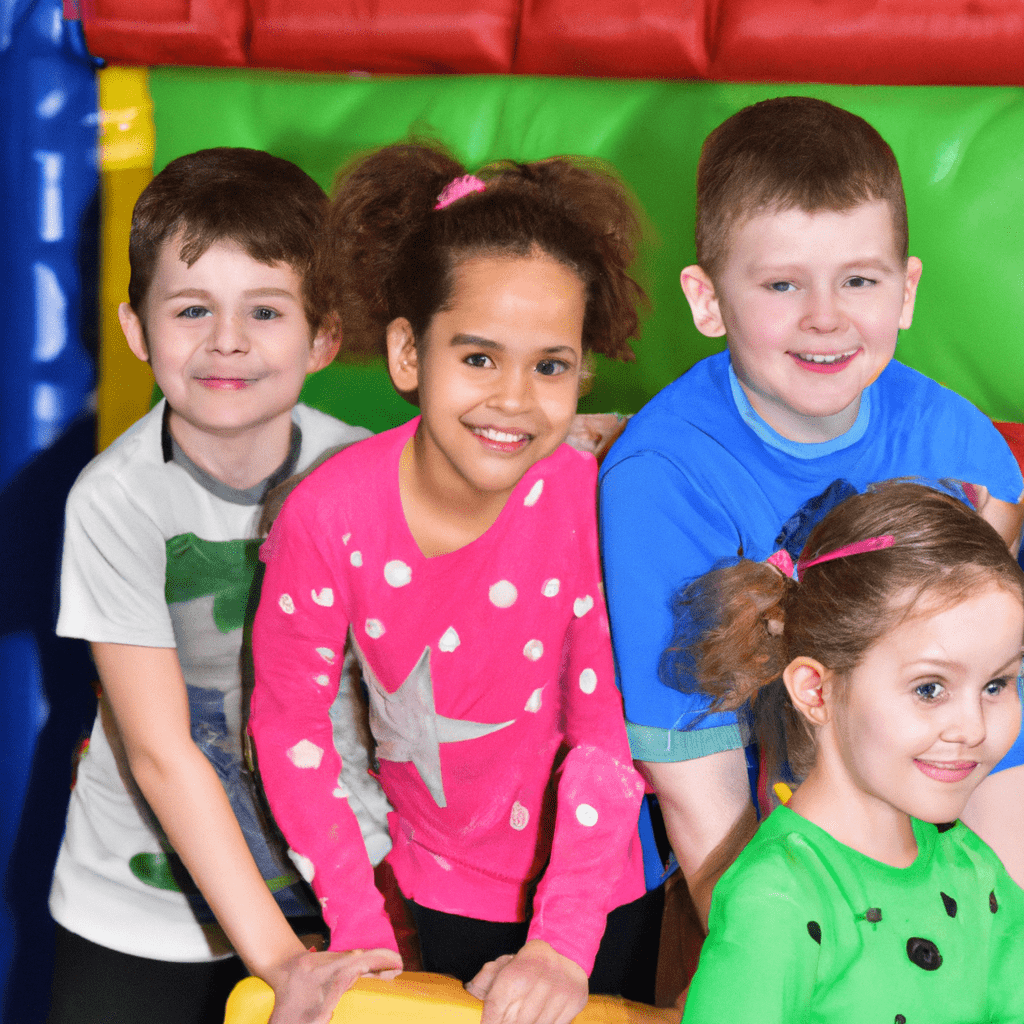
[[859, 547], [459, 188], [782, 561]]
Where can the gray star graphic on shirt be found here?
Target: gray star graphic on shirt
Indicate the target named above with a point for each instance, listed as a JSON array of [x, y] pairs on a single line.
[[407, 727]]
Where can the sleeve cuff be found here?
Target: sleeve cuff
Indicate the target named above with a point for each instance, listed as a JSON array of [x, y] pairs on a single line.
[[648, 743]]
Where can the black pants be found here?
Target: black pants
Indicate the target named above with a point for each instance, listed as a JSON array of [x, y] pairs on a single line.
[[96, 985], [626, 964]]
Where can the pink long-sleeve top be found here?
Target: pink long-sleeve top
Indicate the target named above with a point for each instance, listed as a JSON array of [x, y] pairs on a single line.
[[489, 673]]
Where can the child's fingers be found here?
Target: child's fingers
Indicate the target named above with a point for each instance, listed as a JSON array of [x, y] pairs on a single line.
[[481, 983], [308, 987], [536, 986]]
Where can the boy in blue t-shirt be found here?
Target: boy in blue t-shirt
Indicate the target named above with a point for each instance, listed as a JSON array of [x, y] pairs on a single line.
[[802, 246]]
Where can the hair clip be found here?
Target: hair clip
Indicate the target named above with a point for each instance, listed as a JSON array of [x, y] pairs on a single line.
[[781, 560], [459, 188], [859, 547]]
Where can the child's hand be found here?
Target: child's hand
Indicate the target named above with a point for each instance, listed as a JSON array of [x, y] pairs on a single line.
[[536, 986], [308, 987]]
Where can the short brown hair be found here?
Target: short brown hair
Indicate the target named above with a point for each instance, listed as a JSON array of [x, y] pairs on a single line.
[[267, 205], [739, 626], [389, 253], [792, 152]]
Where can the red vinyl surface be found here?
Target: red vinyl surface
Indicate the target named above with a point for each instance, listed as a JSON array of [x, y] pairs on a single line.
[[886, 42]]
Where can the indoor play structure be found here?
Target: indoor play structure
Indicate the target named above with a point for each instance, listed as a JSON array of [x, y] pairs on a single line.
[[94, 99]]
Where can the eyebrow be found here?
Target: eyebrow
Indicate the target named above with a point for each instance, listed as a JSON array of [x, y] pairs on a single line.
[[252, 293], [494, 346]]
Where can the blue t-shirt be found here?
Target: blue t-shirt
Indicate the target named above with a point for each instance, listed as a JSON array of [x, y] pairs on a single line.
[[699, 476]]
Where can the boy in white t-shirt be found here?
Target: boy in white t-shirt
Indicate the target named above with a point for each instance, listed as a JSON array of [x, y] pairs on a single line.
[[169, 861]]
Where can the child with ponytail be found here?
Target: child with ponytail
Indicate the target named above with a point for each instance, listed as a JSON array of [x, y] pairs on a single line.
[[458, 554], [882, 673]]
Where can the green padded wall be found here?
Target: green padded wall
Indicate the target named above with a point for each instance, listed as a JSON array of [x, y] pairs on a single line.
[[961, 151]]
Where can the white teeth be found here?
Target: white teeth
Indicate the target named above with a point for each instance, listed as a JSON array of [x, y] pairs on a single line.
[[498, 435], [807, 358]]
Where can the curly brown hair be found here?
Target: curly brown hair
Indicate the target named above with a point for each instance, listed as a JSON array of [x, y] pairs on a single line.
[[388, 253], [739, 626]]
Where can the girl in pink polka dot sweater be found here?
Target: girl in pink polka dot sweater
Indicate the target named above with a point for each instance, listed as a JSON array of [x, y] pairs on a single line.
[[458, 555]]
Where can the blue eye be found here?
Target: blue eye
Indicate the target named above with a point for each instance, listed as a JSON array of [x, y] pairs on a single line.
[[193, 313], [265, 313], [994, 687], [929, 691], [781, 286], [551, 367]]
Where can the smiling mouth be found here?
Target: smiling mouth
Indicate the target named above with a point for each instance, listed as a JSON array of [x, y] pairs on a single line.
[[825, 360], [501, 440], [225, 383], [946, 771]]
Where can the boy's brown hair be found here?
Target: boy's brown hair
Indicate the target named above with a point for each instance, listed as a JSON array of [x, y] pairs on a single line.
[[792, 152], [266, 205]]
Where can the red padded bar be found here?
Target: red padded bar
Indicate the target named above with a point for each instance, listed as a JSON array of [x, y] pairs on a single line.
[[388, 36], [611, 39], [1014, 436], [886, 42], [211, 32]]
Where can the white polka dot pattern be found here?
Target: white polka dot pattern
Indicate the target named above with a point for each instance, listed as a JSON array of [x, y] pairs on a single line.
[[305, 754], [586, 815], [325, 598], [327, 654], [397, 573], [286, 604], [356, 558], [588, 680], [449, 640], [374, 629], [520, 817], [503, 594], [533, 650], [535, 492], [322, 679], [582, 605], [551, 588], [535, 702]]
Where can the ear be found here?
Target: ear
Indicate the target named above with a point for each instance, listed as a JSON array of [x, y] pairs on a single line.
[[402, 360], [700, 294], [133, 331], [325, 344], [808, 681], [914, 269]]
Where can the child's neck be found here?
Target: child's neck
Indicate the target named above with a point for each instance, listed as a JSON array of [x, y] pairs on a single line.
[[855, 818], [240, 459], [443, 515]]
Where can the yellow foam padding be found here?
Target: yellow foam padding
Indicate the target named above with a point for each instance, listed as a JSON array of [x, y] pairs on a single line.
[[127, 142], [414, 998]]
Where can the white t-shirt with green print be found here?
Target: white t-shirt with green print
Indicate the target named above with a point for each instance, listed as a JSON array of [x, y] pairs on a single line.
[[157, 553]]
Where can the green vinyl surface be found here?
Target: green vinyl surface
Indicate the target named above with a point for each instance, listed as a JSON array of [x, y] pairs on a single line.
[[961, 151]]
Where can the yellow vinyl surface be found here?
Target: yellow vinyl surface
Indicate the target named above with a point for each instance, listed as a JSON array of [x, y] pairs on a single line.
[[423, 999]]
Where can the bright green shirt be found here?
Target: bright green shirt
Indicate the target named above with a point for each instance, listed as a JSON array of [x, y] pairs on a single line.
[[804, 930]]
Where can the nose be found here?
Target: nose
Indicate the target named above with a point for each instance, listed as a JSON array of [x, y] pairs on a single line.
[[822, 313], [228, 336], [513, 390], [966, 724]]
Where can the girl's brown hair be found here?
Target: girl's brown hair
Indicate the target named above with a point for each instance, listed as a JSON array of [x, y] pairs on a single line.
[[389, 253], [739, 626]]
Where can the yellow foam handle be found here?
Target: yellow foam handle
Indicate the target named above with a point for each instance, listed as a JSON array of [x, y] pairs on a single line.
[[414, 998]]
